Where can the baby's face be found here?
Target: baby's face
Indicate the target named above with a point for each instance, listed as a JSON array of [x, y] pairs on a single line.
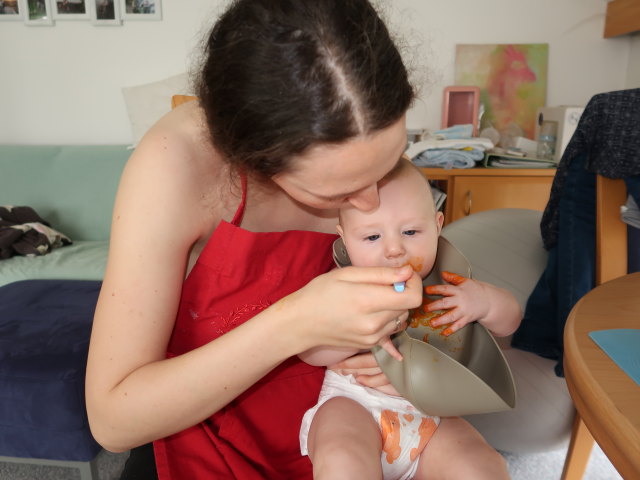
[[403, 230]]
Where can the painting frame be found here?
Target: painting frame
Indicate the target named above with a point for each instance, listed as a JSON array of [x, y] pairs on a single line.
[[106, 13], [69, 9], [151, 9], [512, 78], [18, 16], [42, 13]]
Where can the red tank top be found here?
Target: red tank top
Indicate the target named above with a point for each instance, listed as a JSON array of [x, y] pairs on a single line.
[[238, 274]]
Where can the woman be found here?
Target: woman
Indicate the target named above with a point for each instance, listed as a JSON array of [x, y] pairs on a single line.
[[219, 266]]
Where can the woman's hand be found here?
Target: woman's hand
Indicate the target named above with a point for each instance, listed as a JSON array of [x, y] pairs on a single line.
[[470, 300], [366, 371], [352, 307]]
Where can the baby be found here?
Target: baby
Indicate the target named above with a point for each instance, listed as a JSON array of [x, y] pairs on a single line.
[[392, 434]]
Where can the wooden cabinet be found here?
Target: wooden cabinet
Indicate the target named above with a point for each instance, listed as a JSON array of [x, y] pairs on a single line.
[[623, 17], [477, 189]]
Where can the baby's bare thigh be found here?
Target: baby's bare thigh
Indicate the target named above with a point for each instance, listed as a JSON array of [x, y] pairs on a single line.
[[343, 428]]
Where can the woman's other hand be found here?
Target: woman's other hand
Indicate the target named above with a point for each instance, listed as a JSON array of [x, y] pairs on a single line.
[[366, 371]]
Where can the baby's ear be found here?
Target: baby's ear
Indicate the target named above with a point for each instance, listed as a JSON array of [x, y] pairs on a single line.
[[439, 220]]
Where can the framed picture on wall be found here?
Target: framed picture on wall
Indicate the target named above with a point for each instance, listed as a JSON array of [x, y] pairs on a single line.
[[141, 9], [10, 10], [106, 12], [71, 9], [37, 12]]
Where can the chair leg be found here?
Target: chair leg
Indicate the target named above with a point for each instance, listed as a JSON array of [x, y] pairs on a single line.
[[579, 451]]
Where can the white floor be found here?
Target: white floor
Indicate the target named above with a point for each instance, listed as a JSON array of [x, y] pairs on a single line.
[[548, 466], [542, 466]]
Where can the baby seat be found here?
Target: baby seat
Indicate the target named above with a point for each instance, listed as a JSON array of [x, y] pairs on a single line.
[[462, 374]]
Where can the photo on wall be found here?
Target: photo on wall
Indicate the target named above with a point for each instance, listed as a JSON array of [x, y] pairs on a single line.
[[10, 10], [512, 80], [106, 12], [71, 9], [141, 9], [38, 12]]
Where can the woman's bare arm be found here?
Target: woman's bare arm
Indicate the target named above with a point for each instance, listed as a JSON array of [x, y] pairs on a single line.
[[133, 393]]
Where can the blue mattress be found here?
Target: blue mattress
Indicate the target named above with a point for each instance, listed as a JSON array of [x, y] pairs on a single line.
[[45, 327]]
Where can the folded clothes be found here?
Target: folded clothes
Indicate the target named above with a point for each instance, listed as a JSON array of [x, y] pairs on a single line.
[[448, 158], [456, 132], [478, 143]]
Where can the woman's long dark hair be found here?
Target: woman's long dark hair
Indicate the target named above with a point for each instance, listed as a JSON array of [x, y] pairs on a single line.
[[281, 76]]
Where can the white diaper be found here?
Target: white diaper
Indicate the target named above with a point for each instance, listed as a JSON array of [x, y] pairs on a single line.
[[405, 430]]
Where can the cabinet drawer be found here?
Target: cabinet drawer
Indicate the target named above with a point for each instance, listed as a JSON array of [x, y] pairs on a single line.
[[476, 194]]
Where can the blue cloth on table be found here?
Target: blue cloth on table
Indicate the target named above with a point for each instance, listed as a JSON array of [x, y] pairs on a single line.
[[45, 327], [621, 345]]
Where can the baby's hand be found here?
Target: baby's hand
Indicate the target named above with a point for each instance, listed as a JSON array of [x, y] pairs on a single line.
[[464, 299]]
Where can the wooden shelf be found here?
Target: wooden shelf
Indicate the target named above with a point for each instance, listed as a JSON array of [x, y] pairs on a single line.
[[623, 17], [474, 190]]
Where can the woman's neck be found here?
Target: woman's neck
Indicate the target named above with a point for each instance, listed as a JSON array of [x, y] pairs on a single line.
[[269, 208]]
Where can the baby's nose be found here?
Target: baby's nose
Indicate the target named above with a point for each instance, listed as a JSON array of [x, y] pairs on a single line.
[[394, 249]]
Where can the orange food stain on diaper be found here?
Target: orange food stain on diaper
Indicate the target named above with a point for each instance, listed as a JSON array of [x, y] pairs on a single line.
[[426, 429], [390, 424]]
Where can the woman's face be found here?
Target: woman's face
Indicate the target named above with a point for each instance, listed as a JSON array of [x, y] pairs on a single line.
[[333, 176]]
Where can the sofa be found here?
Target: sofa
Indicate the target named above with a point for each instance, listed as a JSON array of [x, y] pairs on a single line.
[[47, 302], [73, 188]]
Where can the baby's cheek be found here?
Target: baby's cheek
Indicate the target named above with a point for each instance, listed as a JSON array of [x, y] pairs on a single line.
[[426, 266], [368, 257]]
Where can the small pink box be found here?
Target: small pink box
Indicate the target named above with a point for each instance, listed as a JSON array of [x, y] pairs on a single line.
[[460, 106]]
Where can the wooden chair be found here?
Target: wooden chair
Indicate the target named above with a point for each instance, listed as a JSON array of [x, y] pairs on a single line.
[[177, 100], [611, 262]]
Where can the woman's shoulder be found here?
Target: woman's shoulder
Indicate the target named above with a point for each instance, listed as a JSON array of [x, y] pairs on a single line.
[[179, 139], [176, 166]]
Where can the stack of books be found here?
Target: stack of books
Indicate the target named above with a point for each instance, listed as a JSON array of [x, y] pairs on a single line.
[[515, 158]]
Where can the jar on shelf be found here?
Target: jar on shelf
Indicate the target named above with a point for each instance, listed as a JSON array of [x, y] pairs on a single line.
[[547, 140]]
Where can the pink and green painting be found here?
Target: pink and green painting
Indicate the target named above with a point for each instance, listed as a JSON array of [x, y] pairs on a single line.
[[512, 80]]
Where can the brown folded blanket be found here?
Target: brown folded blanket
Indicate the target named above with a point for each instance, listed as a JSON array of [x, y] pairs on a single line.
[[24, 232]]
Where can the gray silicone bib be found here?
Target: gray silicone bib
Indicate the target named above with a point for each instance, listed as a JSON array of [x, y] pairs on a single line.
[[462, 374]]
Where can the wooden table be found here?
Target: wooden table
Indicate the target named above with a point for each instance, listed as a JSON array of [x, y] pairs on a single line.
[[606, 398]]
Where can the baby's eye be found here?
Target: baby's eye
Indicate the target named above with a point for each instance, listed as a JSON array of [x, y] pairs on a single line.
[[410, 232], [372, 238]]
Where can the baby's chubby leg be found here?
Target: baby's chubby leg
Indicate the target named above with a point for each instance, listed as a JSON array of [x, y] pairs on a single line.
[[457, 450], [344, 442]]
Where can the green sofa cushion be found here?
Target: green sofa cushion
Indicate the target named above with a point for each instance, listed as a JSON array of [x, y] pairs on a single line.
[[84, 260], [72, 186]]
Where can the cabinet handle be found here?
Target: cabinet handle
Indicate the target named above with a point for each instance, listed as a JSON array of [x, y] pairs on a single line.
[[468, 203]]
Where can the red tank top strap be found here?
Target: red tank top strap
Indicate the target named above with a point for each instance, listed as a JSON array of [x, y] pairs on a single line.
[[237, 218]]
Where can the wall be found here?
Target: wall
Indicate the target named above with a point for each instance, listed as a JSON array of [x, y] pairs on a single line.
[[633, 70], [62, 84]]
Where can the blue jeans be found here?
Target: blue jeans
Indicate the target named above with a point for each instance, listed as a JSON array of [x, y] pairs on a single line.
[[570, 271]]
